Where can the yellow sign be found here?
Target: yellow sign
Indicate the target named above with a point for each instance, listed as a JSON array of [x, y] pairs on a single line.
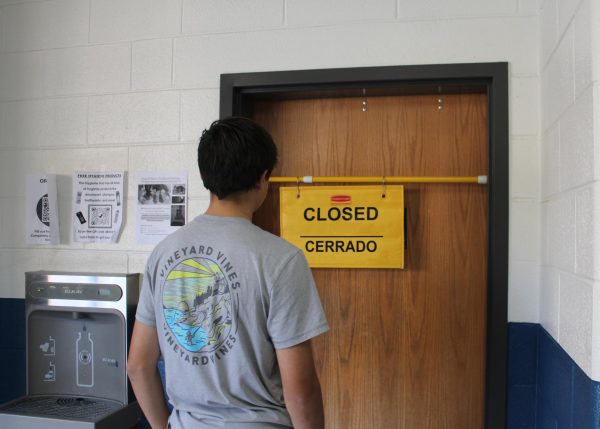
[[345, 226]]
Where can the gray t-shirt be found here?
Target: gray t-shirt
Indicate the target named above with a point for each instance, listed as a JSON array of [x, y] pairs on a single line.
[[223, 295]]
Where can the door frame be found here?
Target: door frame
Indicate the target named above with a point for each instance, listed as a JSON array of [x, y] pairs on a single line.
[[239, 89]]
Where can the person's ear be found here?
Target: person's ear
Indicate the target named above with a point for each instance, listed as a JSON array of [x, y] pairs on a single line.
[[263, 180]]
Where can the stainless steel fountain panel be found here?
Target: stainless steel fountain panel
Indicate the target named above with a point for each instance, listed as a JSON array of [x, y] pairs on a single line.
[[78, 330]]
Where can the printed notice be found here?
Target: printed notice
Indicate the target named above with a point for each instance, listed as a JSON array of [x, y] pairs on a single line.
[[345, 226], [42, 210], [97, 206], [161, 204]]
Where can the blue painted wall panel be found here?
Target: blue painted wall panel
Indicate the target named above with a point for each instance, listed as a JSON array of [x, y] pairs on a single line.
[[586, 401], [545, 417], [521, 407], [555, 380], [12, 349], [522, 353], [12, 321], [522, 375], [12, 375]]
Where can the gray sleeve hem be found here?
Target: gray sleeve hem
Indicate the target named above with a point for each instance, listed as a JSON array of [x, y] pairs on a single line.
[[145, 320], [282, 269], [323, 327]]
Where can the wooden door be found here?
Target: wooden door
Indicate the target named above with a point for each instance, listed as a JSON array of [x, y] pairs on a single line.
[[406, 348]]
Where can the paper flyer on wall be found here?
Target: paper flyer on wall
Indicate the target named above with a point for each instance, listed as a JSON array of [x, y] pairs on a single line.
[[42, 210], [97, 206], [161, 204]]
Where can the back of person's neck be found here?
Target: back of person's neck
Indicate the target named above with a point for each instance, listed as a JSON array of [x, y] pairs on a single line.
[[234, 206]]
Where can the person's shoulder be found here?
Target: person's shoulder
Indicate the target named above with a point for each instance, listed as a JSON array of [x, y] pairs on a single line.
[[274, 242]]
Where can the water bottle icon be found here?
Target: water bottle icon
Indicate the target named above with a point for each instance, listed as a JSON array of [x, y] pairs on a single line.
[[84, 355], [50, 375]]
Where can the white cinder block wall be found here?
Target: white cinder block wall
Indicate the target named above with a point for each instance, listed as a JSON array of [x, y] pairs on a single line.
[[130, 84], [570, 100]]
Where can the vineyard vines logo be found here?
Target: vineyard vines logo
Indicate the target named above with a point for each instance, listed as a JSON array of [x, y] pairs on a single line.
[[199, 309]]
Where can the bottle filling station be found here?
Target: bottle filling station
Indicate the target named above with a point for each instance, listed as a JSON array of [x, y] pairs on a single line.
[[78, 328]]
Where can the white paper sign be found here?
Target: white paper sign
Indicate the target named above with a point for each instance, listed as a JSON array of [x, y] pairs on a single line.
[[161, 204], [41, 210], [97, 206]]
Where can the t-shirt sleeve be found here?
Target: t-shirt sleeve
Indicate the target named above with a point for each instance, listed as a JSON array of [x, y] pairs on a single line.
[[145, 309], [295, 310]]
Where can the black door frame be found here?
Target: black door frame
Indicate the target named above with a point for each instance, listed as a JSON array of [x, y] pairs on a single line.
[[238, 89]]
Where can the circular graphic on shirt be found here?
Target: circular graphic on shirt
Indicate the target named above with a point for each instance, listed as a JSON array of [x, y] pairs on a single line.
[[197, 304]]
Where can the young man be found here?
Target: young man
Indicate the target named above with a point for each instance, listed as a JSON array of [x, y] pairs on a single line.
[[230, 307]]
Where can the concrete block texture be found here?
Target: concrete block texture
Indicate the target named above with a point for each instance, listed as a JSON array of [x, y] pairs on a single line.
[[136, 117], [560, 232], [498, 39], [524, 230], [198, 206], [315, 12], [549, 300], [596, 127], [529, 7], [524, 291], [577, 143], [454, 8], [584, 226], [575, 329], [595, 24], [13, 265], [595, 238], [68, 161], [524, 167], [126, 20], [12, 235], [173, 157], [566, 12], [215, 16], [551, 161], [548, 30], [44, 123], [88, 261], [71, 71], [44, 25], [557, 89], [199, 108], [583, 48], [14, 168], [7, 2], [152, 64], [136, 262], [524, 106]]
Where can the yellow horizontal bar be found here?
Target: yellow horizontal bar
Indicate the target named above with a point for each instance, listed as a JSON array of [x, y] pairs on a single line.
[[374, 179]]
